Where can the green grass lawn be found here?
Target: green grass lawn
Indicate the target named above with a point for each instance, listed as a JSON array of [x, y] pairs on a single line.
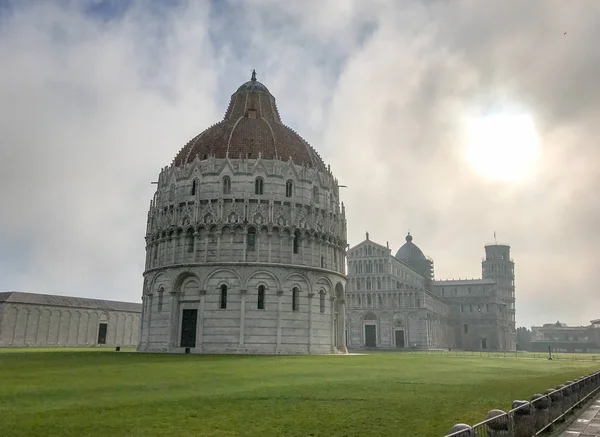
[[108, 394]]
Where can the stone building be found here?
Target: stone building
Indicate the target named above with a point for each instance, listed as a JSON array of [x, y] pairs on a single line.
[[393, 302], [245, 241], [29, 319], [560, 337]]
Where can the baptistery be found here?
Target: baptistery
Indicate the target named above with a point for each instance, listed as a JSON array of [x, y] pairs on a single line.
[[245, 241]]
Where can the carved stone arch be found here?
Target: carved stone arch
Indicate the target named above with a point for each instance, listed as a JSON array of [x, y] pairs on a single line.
[[179, 281], [233, 274], [158, 278], [325, 283], [208, 218], [259, 169], [340, 292], [370, 315], [226, 169], [294, 279], [261, 281]]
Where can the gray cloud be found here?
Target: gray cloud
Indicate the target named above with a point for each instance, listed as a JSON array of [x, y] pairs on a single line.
[[91, 110]]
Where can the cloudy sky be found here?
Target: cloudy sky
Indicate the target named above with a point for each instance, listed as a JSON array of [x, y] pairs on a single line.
[[97, 96]]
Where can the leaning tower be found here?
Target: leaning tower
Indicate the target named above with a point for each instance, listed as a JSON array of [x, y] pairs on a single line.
[[498, 266]]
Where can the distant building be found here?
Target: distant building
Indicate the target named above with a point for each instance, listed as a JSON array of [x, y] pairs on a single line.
[[563, 338], [393, 302], [29, 319]]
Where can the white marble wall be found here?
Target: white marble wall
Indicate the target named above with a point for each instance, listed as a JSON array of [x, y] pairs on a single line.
[[242, 327], [32, 325], [422, 329]]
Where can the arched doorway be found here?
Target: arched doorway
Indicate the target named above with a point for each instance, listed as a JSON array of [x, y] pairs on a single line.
[[370, 328], [399, 335]]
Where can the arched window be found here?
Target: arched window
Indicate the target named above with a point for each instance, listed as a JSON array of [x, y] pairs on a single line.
[[289, 188], [194, 187], [296, 243], [226, 185], [295, 299], [160, 299], [466, 328], [258, 186], [316, 194], [322, 301], [251, 239], [369, 299], [189, 240], [223, 303], [260, 304], [172, 193]]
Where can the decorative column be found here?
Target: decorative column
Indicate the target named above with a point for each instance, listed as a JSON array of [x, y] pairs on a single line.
[[173, 320], [310, 321], [242, 314], [200, 323], [245, 246], [279, 297], [280, 259], [183, 247], [219, 234], [270, 238], [161, 251], [196, 246], [174, 240], [332, 300], [149, 326], [206, 245], [342, 326]]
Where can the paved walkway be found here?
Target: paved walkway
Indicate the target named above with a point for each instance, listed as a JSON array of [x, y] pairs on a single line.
[[587, 424]]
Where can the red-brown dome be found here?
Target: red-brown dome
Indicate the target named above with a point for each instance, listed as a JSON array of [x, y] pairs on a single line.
[[251, 126]]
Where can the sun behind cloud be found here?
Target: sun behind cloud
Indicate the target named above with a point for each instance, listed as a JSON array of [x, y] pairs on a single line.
[[503, 146]]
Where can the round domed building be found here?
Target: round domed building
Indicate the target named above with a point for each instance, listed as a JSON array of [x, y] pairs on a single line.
[[245, 241]]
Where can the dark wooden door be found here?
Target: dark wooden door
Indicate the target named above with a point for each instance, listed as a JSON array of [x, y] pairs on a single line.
[[102, 333], [399, 338], [189, 319], [370, 336]]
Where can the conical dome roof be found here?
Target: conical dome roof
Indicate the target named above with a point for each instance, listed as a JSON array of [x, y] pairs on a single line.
[[251, 127]]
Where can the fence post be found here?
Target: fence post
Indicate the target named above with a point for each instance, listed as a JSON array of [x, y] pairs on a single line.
[[467, 431], [497, 427], [524, 420], [555, 403], [541, 405], [567, 395]]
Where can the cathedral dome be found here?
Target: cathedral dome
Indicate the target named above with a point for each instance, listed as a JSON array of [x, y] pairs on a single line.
[[410, 251], [251, 128]]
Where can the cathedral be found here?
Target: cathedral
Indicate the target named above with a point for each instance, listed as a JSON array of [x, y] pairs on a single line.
[[394, 302], [245, 241]]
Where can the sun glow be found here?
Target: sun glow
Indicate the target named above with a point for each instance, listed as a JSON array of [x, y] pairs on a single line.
[[502, 146]]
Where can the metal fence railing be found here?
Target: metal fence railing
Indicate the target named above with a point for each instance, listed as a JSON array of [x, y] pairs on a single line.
[[539, 416], [557, 356]]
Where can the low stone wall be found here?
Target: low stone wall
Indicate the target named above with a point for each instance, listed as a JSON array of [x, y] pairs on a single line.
[[540, 414]]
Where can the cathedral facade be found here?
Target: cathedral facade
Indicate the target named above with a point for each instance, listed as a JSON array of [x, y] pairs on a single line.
[[393, 302], [245, 241]]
